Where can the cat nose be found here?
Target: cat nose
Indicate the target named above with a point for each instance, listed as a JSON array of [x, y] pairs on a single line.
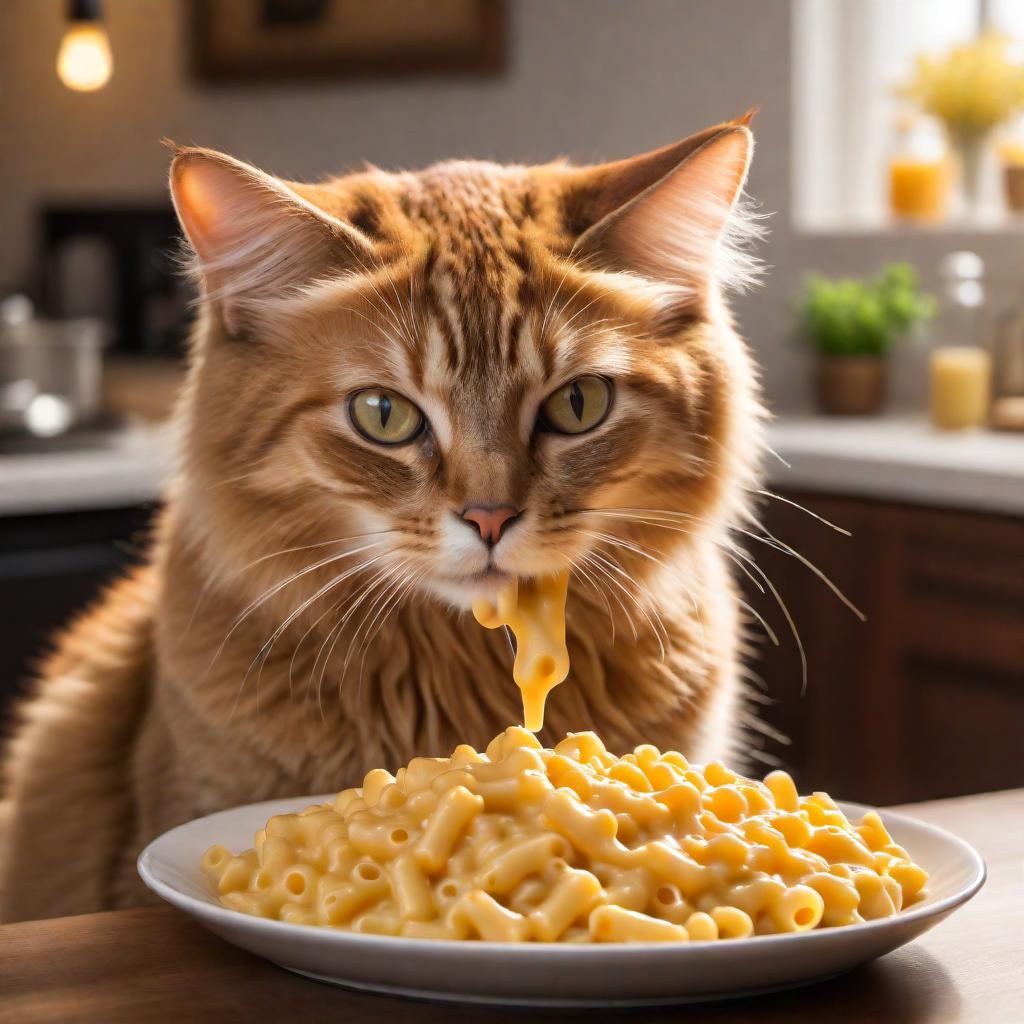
[[491, 522]]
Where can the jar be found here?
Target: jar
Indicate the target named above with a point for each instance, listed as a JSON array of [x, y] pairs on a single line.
[[919, 176], [1011, 160], [1008, 369]]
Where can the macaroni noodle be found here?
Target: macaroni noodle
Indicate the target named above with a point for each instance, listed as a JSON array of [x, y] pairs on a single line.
[[523, 843], [535, 611]]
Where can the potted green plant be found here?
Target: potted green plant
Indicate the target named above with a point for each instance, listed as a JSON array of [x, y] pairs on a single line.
[[852, 325]]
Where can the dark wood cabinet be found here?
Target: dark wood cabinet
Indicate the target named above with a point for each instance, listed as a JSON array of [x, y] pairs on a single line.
[[926, 697], [52, 566]]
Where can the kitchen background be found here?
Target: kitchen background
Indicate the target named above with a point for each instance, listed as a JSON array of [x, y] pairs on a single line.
[[890, 328]]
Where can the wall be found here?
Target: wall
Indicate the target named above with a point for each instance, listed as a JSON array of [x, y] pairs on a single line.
[[587, 78]]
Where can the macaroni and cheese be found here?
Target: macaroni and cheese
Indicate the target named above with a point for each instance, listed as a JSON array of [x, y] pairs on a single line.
[[535, 612], [523, 843]]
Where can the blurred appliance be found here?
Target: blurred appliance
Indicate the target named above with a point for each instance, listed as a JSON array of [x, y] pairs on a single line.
[[117, 263], [50, 370]]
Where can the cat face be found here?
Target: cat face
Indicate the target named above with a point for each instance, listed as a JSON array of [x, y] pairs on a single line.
[[473, 373]]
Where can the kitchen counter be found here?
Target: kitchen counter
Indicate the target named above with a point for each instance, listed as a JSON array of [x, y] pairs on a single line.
[[96, 469], [900, 459]]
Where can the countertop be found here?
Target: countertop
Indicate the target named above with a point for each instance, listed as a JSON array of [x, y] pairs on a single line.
[[156, 964], [95, 469], [900, 459]]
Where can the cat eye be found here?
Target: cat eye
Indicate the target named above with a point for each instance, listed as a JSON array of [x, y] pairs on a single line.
[[578, 406], [384, 416]]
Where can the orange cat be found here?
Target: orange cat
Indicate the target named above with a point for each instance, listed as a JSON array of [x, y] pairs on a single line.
[[404, 390]]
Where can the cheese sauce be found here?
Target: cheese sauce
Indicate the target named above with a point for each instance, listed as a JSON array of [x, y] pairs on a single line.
[[535, 612]]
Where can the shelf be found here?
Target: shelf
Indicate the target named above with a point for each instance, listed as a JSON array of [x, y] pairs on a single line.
[[848, 226]]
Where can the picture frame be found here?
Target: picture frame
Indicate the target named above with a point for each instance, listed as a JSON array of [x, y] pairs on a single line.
[[275, 41]]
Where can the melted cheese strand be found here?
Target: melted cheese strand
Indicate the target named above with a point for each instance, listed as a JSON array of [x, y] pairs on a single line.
[[535, 611]]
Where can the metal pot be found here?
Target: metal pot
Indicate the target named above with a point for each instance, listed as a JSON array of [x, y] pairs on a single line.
[[50, 373]]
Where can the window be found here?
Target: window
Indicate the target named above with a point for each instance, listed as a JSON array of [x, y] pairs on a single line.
[[848, 56]]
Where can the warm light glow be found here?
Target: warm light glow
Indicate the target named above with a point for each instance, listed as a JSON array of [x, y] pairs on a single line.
[[84, 62]]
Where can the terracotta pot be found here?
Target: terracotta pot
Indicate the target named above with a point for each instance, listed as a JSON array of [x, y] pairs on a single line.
[[851, 385]]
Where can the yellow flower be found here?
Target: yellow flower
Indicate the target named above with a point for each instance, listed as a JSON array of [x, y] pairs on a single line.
[[972, 88]]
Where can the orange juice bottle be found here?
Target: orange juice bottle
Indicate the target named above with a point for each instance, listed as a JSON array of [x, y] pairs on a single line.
[[919, 175]]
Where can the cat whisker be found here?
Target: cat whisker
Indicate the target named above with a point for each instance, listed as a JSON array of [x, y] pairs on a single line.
[[295, 652], [771, 541], [784, 608], [373, 619], [797, 505], [554, 295], [390, 583], [406, 314], [690, 533], [394, 316], [771, 451], [576, 568], [405, 327], [405, 583], [328, 644], [235, 479], [651, 609], [278, 587], [602, 573], [675, 570], [264, 651], [591, 329], [738, 556], [568, 323], [337, 626], [511, 641], [781, 545], [358, 599], [250, 472], [391, 313], [373, 323], [612, 566], [231, 577]]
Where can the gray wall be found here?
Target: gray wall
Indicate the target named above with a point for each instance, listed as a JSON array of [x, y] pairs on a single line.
[[587, 78]]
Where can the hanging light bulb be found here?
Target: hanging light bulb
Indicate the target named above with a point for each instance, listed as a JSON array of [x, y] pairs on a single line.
[[84, 61]]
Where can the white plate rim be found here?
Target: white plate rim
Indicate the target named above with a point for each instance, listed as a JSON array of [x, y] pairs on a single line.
[[214, 912]]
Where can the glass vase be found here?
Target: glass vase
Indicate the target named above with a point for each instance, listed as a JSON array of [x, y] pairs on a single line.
[[971, 148]]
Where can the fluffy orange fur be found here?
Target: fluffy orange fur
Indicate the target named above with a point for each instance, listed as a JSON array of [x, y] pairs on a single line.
[[303, 614]]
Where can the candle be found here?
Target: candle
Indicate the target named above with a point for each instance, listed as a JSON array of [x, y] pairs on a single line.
[[960, 384]]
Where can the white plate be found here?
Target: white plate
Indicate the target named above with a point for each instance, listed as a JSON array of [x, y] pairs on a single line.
[[552, 974]]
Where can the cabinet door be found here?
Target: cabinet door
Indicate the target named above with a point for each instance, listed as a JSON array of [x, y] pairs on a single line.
[[819, 716], [51, 567], [926, 697], [956, 723]]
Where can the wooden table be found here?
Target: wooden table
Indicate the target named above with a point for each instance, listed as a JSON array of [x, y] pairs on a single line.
[[155, 964]]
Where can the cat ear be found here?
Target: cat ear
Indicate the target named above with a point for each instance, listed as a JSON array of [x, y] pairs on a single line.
[[667, 215], [256, 240]]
